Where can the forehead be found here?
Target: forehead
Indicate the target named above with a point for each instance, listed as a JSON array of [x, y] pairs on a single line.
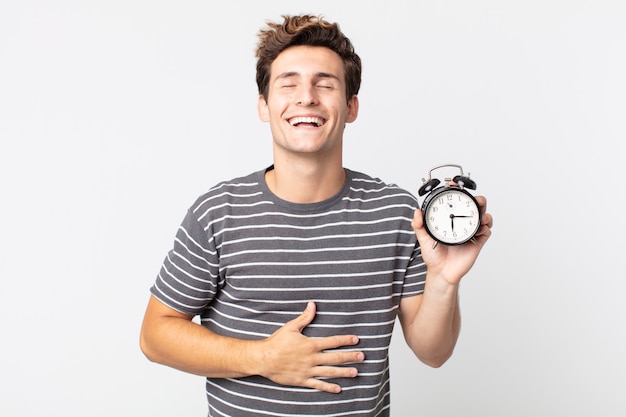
[[307, 61]]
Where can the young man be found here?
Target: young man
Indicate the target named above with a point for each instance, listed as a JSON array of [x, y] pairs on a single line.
[[299, 271]]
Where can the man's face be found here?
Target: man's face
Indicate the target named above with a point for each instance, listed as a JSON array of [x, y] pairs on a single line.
[[306, 106]]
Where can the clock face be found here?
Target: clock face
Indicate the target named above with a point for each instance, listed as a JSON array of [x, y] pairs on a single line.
[[451, 215]]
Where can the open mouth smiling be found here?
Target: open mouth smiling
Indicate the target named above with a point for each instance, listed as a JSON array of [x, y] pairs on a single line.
[[307, 121]]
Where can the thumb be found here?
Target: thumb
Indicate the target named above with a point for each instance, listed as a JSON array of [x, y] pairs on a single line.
[[417, 219], [305, 318], [420, 231], [418, 223]]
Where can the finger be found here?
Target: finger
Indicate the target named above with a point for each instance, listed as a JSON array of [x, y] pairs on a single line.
[[483, 234], [418, 219], [335, 372], [487, 220], [305, 318], [420, 231], [340, 358], [482, 203], [334, 342], [323, 386], [330, 372]]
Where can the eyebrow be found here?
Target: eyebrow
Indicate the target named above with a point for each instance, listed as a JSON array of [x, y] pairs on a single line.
[[317, 75]]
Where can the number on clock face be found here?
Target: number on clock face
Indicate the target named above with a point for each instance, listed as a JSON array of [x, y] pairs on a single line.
[[452, 216]]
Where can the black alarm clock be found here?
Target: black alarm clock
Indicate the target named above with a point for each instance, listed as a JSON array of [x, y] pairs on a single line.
[[451, 214]]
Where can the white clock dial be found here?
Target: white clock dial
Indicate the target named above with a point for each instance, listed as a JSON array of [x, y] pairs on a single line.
[[452, 216]]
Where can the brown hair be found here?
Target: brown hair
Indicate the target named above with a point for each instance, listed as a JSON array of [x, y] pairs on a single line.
[[305, 30]]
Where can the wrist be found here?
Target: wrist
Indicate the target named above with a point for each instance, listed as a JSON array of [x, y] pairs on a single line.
[[250, 358], [439, 284]]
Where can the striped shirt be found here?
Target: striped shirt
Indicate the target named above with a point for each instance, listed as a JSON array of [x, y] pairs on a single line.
[[247, 262]]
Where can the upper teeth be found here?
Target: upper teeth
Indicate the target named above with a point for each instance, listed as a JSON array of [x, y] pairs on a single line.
[[316, 120]]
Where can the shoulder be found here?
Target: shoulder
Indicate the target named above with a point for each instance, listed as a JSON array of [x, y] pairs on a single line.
[[240, 191], [369, 187]]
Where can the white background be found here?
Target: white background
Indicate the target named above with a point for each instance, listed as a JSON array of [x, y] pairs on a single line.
[[116, 115]]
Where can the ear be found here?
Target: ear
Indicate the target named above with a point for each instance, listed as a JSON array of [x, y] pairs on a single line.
[[353, 109], [262, 109]]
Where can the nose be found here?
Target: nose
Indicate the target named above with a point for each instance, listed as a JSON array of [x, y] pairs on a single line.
[[306, 97]]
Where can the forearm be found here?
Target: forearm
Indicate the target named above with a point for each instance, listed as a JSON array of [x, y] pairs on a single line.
[[286, 357], [431, 322], [190, 347], [433, 329]]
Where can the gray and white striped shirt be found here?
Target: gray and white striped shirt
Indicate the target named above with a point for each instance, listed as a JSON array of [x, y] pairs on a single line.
[[247, 262]]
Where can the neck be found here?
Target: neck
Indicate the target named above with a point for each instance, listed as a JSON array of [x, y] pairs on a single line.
[[305, 182]]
